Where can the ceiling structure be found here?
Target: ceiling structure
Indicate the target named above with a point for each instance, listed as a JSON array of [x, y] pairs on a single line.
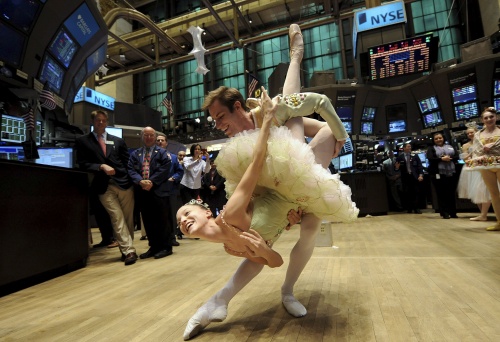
[[227, 25]]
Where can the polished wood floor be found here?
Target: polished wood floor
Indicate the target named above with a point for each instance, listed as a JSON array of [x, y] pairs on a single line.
[[401, 277]]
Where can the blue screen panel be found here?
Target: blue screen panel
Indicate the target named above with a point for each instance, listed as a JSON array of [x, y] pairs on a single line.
[[82, 25]]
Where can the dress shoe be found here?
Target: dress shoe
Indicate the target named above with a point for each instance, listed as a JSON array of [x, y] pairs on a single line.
[[149, 254], [175, 243], [446, 216], [101, 244], [163, 253], [409, 211], [453, 216], [179, 236], [143, 238], [123, 257], [130, 259], [417, 211], [113, 244]]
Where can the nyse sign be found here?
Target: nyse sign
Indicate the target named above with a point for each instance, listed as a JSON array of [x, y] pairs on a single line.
[[95, 97], [387, 14]]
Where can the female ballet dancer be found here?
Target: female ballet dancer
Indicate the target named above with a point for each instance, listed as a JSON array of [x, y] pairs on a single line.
[[471, 184], [233, 118]]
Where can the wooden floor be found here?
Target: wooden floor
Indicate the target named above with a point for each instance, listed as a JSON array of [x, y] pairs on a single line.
[[401, 277]]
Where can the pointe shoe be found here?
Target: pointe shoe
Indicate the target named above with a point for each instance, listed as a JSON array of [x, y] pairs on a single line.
[[479, 218], [202, 318], [293, 306], [296, 48]]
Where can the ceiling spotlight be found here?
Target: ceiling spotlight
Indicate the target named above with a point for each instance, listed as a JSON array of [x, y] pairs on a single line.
[[204, 29], [248, 18], [122, 56], [197, 120]]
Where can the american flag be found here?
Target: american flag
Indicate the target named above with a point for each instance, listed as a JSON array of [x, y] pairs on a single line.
[[253, 82], [167, 102], [47, 100], [29, 120]]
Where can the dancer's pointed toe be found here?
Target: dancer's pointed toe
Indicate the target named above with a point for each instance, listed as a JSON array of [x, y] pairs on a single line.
[[293, 306], [197, 323], [296, 42]]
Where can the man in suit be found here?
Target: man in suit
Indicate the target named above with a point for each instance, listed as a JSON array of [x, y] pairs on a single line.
[[149, 168], [108, 155], [412, 175], [174, 179], [393, 174], [213, 192]]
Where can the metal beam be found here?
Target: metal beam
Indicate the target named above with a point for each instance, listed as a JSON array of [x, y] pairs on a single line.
[[221, 23], [242, 17], [139, 52]]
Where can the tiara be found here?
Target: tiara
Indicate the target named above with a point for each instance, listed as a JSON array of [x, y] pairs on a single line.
[[198, 202], [471, 124]]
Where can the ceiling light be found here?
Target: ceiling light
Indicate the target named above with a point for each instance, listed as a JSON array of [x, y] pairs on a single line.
[[248, 18]]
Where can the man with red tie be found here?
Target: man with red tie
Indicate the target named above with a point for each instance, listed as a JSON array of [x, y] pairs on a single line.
[[107, 155], [149, 168]]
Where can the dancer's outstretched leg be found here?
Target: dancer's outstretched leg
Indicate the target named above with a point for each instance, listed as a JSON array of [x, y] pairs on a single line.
[[215, 309], [299, 257]]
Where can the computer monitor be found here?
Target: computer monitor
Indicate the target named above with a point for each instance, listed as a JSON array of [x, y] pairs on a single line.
[[496, 103], [428, 104], [11, 152], [63, 47], [397, 126], [346, 161], [432, 119], [61, 157], [117, 132], [336, 163], [368, 113], [347, 126], [496, 88], [11, 45], [466, 111], [52, 74], [344, 113], [347, 148], [464, 94], [366, 127]]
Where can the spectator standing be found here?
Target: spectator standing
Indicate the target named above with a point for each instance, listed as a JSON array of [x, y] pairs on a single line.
[[412, 175], [194, 166], [393, 173], [213, 189]]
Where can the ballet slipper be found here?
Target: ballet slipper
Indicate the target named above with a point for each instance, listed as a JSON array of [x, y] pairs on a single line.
[[494, 228], [479, 218], [203, 317], [296, 47], [293, 306]]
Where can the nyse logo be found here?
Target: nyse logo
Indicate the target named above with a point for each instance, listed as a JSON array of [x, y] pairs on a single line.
[[388, 14]]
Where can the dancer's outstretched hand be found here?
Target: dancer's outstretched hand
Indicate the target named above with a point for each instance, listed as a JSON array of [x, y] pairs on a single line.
[[268, 106], [338, 147]]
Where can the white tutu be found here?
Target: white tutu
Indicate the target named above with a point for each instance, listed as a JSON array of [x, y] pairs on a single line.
[[290, 170], [472, 186]]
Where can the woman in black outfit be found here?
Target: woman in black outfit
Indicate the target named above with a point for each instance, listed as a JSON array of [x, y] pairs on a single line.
[[442, 161]]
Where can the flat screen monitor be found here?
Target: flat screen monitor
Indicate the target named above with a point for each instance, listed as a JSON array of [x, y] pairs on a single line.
[[432, 119], [14, 130], [423, 158], [496, 103], [428, 105], [52, 74], [368, 113], [19, 13], [82, 25], [80, 76], [11, 45], [97, 59], [63, 47], [464, 94], [403, 57], [344, 113], [347, 126], [11, 152], [61, 157], [366, 127], [496, 88], [347, 148], [336, 163], [466, 111], [397, 126], [117, 132], [346, 161]]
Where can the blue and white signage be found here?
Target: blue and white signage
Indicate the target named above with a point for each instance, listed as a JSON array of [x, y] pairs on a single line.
[[95, 97], [380, 16], [82, 24]]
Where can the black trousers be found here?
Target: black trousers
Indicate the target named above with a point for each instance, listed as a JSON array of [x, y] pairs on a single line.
[[187, 194], [157, 219], [445, 192], [410, 191]]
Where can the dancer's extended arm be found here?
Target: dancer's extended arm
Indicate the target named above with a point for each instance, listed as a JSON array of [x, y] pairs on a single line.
[[238, 211]]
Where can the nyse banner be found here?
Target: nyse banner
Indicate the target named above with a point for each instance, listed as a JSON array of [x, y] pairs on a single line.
[[385, 15], [95, 97]]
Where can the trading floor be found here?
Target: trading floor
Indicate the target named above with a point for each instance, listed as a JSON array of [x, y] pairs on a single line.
[[400, 277]]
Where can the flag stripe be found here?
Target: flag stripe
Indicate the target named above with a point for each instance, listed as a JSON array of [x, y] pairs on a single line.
[[29, 120], [47, 100], [167, 102], [252, 84]]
